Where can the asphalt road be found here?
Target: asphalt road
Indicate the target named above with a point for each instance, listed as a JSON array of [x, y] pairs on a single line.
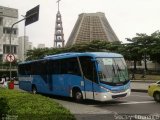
[[139, 106]]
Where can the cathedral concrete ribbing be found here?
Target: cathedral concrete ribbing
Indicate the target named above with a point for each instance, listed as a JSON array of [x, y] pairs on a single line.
[[91, 26]]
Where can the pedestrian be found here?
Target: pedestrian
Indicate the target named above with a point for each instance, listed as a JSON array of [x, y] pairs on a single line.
[[133, 76], [3, 81], [143, 74]]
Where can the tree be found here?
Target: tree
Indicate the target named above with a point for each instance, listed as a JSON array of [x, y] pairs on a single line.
[[143, 47], [93, 46], [155, 47], [132, 51]]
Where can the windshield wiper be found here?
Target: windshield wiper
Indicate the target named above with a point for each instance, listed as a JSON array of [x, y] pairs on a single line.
[[121, 72], [113, 70]]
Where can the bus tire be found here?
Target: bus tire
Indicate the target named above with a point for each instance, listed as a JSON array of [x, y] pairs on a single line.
[[34, 89], [77, 95], [157, 96]]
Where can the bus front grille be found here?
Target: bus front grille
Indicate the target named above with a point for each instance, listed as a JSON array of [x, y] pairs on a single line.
[[118, 91], [119, 96]]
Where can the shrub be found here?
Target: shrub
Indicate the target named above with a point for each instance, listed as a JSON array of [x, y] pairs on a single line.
[[4, 108], [28, 106]]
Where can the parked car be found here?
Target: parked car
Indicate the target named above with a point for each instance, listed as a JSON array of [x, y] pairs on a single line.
[[154, 91]]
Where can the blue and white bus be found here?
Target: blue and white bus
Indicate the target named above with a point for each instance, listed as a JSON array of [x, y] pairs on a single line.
[[99, 76]]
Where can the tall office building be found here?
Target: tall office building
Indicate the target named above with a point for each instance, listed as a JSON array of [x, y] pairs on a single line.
[[8, 16], [24, 46], [91, 26]]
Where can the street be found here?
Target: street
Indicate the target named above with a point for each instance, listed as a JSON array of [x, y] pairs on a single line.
[[137, 104]]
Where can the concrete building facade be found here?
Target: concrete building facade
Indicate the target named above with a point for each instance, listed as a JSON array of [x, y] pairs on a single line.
[[8, 16], [24, 46], [91, 26], [41, 46]]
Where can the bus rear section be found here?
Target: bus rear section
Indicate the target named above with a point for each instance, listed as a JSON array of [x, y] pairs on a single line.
[[97, 76]]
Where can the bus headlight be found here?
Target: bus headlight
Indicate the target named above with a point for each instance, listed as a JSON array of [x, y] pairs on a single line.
[[104, 96]]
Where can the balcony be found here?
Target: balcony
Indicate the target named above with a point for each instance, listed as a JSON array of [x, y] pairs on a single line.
[[6, 68]]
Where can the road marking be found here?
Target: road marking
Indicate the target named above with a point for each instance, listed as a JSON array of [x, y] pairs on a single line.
[[134, 102]]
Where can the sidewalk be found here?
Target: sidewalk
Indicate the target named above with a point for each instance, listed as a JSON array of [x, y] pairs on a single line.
[[15, 83], [141, 85]]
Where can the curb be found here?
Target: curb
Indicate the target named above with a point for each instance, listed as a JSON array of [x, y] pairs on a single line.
[[145, 81]]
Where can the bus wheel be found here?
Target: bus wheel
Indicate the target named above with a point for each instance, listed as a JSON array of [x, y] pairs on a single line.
[[157, 96], [34, 90], [77, 95]]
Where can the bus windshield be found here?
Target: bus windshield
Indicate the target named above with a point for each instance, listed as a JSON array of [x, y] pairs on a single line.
[[112, 71]]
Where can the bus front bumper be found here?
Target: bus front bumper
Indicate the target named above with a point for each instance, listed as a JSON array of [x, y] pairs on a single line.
[[107, 96]]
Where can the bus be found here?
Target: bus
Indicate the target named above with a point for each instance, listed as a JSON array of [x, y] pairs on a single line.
[[100, 76]]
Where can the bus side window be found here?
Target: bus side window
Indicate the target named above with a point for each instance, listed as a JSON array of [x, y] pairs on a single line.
[[70, 66], [54, 67], [88, 68], [64, 66], [33, 68], [73, 67], [43, 67], [21, 69], [28, 69]]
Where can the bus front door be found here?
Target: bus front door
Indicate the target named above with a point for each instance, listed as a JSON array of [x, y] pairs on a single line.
[[88, 88], [89, 75]]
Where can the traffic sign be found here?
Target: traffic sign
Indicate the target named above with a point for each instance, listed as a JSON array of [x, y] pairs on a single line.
[[32, 15], [10, 58]]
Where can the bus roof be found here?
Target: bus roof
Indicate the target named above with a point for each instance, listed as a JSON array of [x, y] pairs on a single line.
[[75, 54]]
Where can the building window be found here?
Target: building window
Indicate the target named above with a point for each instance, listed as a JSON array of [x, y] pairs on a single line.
[[1, 58], [7, 30], [14, 49], [6, 49], [1, 21]]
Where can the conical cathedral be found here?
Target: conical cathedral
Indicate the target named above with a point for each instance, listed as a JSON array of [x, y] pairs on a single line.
[[91, 26]]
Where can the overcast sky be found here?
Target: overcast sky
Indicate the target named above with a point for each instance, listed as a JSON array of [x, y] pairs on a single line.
[[127, 17]]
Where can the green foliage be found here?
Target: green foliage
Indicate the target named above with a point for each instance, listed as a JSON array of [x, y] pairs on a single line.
[[140, 45], [29, 106], [82, 47], [144, 45], [4, 108]]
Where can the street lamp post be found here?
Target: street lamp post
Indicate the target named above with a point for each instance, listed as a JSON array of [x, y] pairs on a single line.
[[24, 39], [10, 46], [31, 16]]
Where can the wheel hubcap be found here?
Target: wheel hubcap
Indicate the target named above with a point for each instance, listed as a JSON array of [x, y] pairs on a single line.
[[78, 95], [158, 97]]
